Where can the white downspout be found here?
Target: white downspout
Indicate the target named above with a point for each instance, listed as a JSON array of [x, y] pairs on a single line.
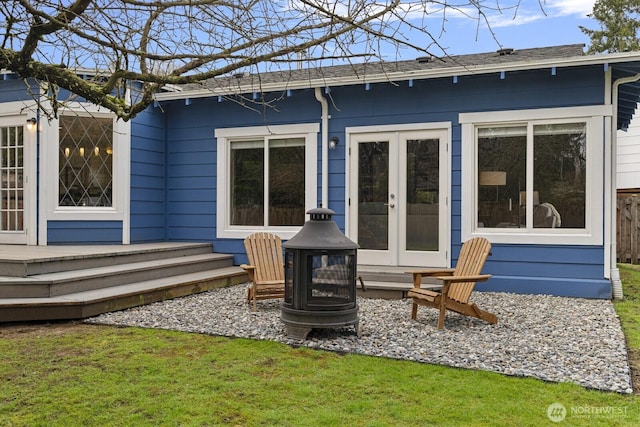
[[325, 147], [615, 272]]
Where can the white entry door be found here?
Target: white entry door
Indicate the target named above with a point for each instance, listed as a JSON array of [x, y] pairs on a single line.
[[398, 208], [17, 142]]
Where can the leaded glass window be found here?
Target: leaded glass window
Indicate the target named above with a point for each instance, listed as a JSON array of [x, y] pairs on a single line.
[[85, 161]]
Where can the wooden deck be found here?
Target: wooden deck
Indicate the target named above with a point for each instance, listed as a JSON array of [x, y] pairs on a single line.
[[40, 283], [26, 253], [75, 282], [388, 282]]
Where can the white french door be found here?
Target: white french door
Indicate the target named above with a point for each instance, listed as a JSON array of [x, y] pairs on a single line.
[[17, 143], [398, 209]]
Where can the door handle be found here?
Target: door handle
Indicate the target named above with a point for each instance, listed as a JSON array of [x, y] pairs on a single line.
[[391, 205]]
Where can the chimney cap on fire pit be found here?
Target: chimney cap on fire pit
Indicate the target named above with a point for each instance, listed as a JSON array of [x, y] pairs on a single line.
[[320, 232]]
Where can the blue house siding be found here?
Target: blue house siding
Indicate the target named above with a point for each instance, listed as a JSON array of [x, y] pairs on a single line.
[[191, 170], [442, 99], [192, 157], [566, 287], [548, 269], [554, 269], [190, 175], [13, 88], [173, 169], [148, 164], [84, 232]]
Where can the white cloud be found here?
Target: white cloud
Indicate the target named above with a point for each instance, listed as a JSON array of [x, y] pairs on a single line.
[[498, 13], [501, 12], [578, 8], [531, 11]]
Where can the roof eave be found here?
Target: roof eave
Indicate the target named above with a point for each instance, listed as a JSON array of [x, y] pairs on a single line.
[[402, 76]]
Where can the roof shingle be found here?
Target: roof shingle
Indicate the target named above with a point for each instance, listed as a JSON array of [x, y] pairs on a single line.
[[379, 71]]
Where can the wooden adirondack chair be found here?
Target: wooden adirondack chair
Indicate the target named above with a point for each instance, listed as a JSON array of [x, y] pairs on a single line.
[[265, 268], [458, 284]]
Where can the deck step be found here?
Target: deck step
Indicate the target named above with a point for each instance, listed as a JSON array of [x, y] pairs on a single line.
[[389, 290], [35, 260], [65, 282], [75, 282], [375, 273], [389, 282], [85, 304]]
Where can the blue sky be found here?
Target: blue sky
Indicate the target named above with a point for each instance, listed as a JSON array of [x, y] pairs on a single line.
[[536, 24]]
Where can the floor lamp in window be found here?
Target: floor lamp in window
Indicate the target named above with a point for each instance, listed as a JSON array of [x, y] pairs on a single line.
[[493, 179]]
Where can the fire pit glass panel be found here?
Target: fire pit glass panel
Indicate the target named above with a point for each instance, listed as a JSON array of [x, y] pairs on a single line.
[[288, 277], [331, 281]]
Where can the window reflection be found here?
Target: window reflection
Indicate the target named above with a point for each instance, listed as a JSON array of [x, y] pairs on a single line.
[[423, 185], [283, 189], [373, 195], [502, 167], [558, 199], [559, 175]]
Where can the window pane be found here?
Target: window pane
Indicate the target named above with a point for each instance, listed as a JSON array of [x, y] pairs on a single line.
[[559, 175], [247, 183], [86, 161], [501, 175], [286, 182], [11, 178]]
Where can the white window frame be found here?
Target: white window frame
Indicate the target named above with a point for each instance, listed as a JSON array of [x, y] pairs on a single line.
[[592, 233], [225, 136], [49, 165]]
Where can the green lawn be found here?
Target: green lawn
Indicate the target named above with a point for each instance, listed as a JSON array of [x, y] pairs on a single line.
[[629, 308], [76, 374]]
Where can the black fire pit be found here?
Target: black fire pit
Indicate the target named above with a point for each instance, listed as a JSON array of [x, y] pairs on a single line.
[[320, 278]]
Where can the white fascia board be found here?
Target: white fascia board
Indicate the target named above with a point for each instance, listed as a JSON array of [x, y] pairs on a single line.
[[404, 75]]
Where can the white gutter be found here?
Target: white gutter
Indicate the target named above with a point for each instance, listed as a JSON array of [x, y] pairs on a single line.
[[325, 146], [615, 272]]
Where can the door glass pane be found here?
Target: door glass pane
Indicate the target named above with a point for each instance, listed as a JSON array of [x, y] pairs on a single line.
[[11, 173], [286, 181], [502, 169], [559, 176], [247, 183], [373, 195], [422, 194]]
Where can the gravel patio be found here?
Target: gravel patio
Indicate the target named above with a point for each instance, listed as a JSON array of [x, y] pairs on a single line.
[[550, 338]]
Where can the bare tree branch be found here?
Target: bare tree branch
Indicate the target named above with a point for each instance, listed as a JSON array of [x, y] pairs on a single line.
[[98, 49]]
